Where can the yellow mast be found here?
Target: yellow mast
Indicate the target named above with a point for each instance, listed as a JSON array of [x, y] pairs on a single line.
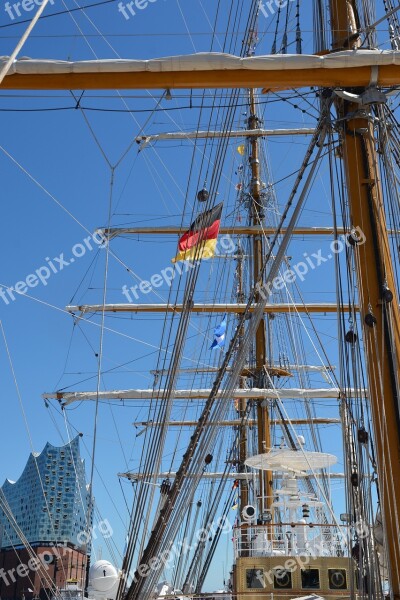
[[263, 417], [244, 489], [216, 78], [377, 291]]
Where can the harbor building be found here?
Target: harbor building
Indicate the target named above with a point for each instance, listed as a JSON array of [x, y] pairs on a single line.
[[44, 513]]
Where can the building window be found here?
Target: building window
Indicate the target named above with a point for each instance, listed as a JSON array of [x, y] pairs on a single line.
[[282, 579], [255, 579], [310, 579], [337, 579]]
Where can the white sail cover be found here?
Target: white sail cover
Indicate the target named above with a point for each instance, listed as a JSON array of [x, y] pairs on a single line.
[[150, 394], [209, 61]]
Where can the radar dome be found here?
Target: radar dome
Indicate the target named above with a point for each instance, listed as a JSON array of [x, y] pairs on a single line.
[[103, 576]]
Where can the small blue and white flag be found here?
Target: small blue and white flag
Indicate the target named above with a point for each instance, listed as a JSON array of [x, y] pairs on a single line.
[[219, 335]]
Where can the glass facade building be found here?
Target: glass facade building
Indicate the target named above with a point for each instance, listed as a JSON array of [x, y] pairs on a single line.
[[49, 502]]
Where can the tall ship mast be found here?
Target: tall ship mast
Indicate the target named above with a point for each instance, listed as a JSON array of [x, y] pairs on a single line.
[[271, 427]]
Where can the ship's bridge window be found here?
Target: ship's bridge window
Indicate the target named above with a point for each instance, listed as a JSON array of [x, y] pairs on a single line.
[[255, 579], [310, 579], [282, 579], [337, 579]]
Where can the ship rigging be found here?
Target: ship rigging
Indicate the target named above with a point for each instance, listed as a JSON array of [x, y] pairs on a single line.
[[287, 538]]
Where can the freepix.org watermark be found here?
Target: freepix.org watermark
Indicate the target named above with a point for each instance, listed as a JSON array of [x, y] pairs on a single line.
[[167, 558], [224, 244], [311, 262], [53, 266], [269, 7], [43, 560], [130, 9], [14, 10]]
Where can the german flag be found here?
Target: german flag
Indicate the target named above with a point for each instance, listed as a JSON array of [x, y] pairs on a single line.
[[201, 239]]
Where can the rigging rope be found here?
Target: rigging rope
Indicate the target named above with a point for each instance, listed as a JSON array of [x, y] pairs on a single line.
[[6, 67]]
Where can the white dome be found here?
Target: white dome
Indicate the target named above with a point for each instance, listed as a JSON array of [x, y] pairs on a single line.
[[291, 460], [102, 576]]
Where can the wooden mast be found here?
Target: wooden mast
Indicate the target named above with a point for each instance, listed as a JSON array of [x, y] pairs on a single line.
[[244, 488], [263, 417], [377, 291], [277, 79]]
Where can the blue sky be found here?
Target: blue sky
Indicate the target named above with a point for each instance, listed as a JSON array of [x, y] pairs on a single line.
[[55, 192]]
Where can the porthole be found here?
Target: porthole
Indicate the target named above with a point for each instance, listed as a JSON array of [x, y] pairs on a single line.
[[282, 579], [337, 579]]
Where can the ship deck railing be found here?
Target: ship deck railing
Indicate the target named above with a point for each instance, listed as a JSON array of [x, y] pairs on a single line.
[[288, 539]]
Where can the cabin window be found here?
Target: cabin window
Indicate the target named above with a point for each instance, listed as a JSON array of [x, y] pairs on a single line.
[[337, 579], [282, 579], [310, 579], [255, 579]]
